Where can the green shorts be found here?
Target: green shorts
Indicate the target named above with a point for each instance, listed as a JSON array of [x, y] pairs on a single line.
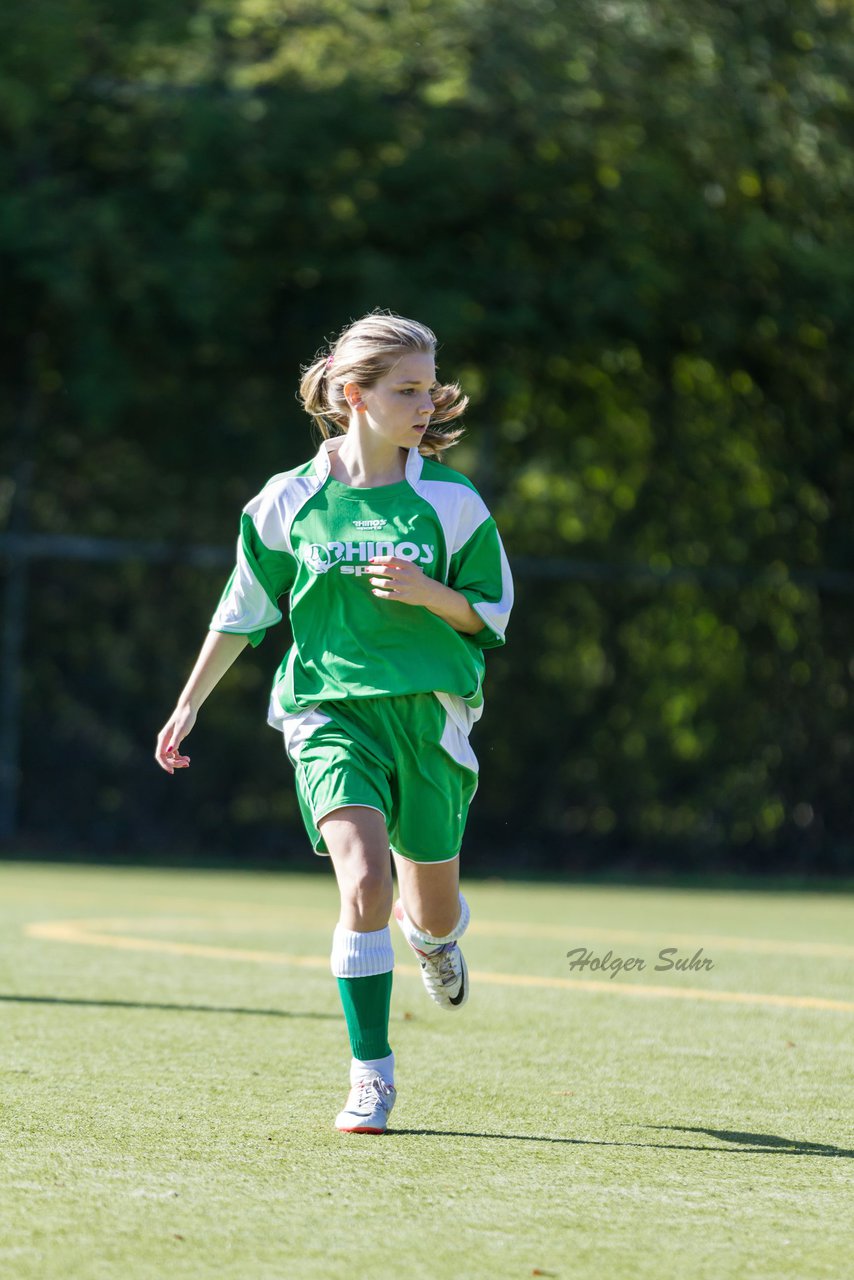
[[405, 756]]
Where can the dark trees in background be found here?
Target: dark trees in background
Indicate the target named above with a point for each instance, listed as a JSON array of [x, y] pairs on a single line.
[[631, 226]]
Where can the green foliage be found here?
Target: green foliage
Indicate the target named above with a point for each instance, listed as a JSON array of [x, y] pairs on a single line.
[[630, 225]]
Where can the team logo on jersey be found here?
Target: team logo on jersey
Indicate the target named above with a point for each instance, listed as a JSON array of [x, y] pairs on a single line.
[[319, 558], [353, 557], [376, 525]]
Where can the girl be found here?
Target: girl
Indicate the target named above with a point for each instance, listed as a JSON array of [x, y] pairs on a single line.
[[398, 581]]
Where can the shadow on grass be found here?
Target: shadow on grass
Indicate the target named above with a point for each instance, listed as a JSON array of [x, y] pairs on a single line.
[[766, 1145], [767, 1142], [169, 1008], [749, 1143]]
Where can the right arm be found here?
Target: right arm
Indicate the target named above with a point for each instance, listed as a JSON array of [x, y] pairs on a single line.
[[218, 652], [264, 571]]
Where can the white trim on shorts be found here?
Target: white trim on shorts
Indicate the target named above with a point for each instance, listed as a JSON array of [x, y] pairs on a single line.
[[421, 862], [319, 852]]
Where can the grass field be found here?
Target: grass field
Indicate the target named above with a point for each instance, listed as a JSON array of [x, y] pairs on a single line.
[[173, 1055]]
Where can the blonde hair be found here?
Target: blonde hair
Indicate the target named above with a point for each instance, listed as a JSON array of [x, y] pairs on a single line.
[[364, 352]]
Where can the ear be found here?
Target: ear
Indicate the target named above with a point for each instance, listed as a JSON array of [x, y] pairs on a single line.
[[353, 394]]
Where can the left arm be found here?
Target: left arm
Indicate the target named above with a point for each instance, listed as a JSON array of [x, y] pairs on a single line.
[[407, 583]]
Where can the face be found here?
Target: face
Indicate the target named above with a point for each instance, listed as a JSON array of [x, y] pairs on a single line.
[[400, 405]]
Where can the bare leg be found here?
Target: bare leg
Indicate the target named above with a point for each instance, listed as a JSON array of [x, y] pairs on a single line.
[[430, 893], [357, 840], [434, 916], [362, 960]]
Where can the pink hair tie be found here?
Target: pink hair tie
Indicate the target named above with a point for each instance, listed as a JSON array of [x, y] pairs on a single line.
[[329, 363]]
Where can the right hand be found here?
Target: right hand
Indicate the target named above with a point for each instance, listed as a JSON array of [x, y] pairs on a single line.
[[171, 736]]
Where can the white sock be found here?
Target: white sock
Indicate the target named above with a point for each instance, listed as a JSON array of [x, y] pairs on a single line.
[[431, 951], [361, 955], [367, 1066], [428, 942]]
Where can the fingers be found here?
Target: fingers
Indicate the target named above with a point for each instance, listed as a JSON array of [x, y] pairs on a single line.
[[391, 571], [387, 587], [167, 753], [172, 760], [386, 583], [383, 563], [397, 579]]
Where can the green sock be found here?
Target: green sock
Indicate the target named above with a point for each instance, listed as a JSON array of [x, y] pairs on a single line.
[[366, 1004]]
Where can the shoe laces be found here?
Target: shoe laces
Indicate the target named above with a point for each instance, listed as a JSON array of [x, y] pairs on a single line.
[[443, 963], [376, 1086]]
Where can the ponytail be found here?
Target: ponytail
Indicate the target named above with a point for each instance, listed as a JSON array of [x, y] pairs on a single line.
[[364, 352], [314, 395]]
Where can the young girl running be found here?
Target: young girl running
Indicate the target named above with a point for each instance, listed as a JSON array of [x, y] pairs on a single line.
[[398, 581]]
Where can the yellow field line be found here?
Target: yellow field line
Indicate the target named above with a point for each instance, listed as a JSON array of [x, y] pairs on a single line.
[[222, 916], [78, 932], [723, 942], [86, 933]]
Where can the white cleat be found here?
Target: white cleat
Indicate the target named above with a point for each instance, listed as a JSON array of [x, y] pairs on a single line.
[[444, 971], [445, 975], [368, 1106]]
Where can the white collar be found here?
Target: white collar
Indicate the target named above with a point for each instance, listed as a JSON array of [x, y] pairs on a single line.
[[412, 473]]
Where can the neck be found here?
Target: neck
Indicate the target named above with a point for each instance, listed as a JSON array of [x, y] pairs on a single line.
[[365, 460]]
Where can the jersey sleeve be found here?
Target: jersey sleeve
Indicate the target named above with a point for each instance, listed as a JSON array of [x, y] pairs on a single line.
[[480, 571], [249, 603]]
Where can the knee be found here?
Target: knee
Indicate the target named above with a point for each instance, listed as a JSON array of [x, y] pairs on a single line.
[[357, 841], [366, 892], [448, 918], [440, 926], [371, 885]]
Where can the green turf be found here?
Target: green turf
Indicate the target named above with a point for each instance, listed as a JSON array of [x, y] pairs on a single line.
[[168, 1115]]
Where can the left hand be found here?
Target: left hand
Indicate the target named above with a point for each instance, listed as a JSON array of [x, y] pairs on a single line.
[[402, 580]]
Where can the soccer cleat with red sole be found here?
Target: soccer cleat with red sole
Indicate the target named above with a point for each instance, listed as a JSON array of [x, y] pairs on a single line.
[[368, 1106]]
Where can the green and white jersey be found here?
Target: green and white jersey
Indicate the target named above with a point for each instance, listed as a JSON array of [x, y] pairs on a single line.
[[308, 534]]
